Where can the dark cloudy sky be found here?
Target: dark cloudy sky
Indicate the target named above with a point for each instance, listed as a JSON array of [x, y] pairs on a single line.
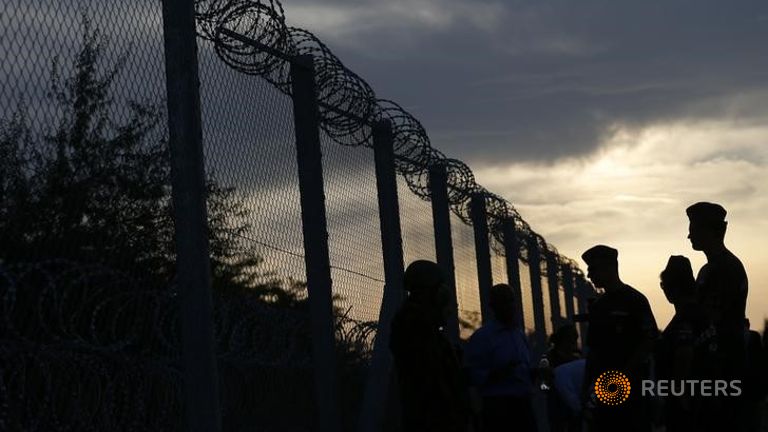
[[600, 120]]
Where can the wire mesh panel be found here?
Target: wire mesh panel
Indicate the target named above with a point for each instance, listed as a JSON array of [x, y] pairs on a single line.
[[353, 229], [357, 268], [546, 301], [571, 300], [251, 156], [89, 339], [498, 267], [90, 332], [416, 221], [525, 286], [250, 153], [465, 264], [77, 126], [562, 299]]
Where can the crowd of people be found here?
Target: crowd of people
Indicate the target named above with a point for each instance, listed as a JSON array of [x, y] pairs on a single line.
[[489, 382]]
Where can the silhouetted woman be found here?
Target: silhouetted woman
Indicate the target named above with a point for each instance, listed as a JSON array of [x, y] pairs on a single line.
[[684, 345]]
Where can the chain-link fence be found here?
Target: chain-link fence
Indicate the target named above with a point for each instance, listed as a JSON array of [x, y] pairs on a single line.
[[91, 276], [88, 339]]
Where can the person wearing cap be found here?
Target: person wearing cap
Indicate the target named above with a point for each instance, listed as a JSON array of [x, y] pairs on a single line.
[[722, 282], [722, 288], [433, 393], [620, 338]]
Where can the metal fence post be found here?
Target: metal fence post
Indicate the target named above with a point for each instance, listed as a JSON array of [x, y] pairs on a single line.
[[438, 181], [537, 296], [568, 291], [512, 255], [379, 373], [482, 252], [201, 395], [581, 299], [581, 294], [553, 283], [315, 232]]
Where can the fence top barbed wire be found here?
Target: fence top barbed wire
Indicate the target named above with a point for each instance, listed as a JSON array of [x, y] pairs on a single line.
[[252, 36]]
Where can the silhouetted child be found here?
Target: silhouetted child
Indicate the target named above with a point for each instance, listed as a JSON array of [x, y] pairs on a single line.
[[432, 392]]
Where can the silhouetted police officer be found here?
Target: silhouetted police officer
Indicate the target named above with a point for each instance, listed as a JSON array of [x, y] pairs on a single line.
[[722, 292], [620, 338]]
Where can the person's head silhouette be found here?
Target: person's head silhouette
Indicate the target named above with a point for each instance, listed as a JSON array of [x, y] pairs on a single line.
[[707, 226], [565, 339], [677, 279], [424, 283], [502, 302], [602, 266]]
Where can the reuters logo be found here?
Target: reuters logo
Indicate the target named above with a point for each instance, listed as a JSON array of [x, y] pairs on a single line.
[[612, 388]]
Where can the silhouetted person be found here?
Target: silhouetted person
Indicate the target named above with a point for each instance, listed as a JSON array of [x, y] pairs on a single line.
[[765, 335], [755, 379], [619, 338], [563, 349], [498, 358], [432, 391], [722, 291], [564, 346], [685, 349]]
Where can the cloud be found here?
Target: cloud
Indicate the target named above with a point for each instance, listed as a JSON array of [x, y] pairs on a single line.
[[493, 82], [539, 81], [597, 119], [343, 23], [634, 192]]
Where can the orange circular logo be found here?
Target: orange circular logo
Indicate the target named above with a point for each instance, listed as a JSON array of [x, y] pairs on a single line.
[[612, 388]]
